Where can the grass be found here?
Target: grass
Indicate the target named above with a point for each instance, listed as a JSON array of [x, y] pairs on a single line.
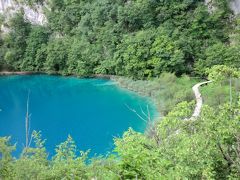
[[165, 91], [219, 93], [168, 90]]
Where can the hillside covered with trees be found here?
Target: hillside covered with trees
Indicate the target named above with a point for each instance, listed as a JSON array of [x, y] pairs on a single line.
[[156, 42], [139, 39]]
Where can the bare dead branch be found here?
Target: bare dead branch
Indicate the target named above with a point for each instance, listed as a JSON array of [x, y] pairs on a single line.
[[143, 112], [133, 110], [27, 122]]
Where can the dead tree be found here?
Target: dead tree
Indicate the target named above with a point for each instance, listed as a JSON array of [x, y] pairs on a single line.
[[151, 127], [27, 123]]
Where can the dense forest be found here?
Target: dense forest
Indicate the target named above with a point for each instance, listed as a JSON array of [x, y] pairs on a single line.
[[141, 40]]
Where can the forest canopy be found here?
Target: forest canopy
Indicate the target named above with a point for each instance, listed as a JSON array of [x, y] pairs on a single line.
[[138, 39]]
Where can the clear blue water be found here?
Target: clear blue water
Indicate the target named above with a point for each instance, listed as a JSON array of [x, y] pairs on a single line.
[[92, 111]]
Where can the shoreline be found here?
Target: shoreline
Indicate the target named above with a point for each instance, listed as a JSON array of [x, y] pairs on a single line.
[[195, 88], [102, 76], [5, 73], [98, 76]]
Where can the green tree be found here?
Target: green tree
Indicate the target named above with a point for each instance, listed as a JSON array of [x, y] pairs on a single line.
[[166, 56], [37, 37], [133, 54], [66, 164], [5, 157], [78, 61], [56, 56], [33, 161], [220, 54], [16, 41], [221, 72]]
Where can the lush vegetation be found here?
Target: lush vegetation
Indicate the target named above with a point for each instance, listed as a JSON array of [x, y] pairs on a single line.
[[140, 40], [166, 91], [207, 148]]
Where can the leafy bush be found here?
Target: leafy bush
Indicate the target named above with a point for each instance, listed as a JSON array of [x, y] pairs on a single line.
[[206, 148]]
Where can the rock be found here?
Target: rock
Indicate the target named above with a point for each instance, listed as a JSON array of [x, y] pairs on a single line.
[[233, 4], [33, 14]]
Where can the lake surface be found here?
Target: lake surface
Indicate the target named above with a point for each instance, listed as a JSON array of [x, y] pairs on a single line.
[[92, 111]]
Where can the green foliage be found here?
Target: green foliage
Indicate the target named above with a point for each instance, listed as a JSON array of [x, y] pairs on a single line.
[[56, 56], [5, 157], [220, 54], [215, 94], [166, 56], [225, 85], [66, 163], [139, 39], [142, 40], [37, 38], [222, 72], [104, 168], [166, 91], [1, 20], [31, 157], [185, 149], [204, 148], [137, 156], [78, 63], [16, 41], [133, 55], [222, 129], [2, 53]]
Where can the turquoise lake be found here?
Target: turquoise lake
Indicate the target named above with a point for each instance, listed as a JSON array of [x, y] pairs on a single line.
[[92, 111]]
